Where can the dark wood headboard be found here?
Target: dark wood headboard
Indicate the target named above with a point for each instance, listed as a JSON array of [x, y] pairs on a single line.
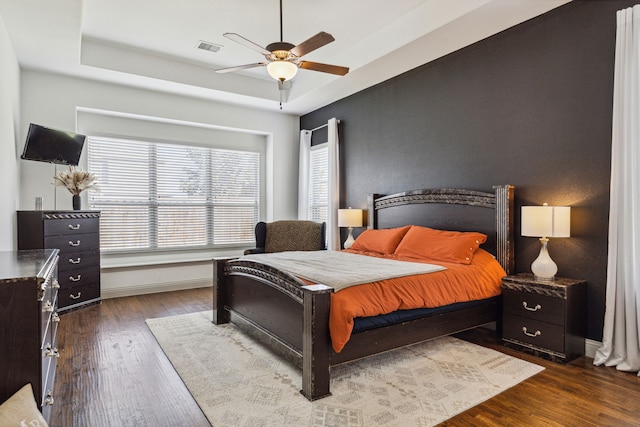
[[452, 209]]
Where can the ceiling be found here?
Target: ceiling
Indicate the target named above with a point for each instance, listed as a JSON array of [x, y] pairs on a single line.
[[152, 43]]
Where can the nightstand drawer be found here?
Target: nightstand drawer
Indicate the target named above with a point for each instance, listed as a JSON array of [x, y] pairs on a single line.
[[537, 333], [534, 306]]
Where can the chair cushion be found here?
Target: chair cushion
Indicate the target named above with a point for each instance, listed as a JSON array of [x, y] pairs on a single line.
[[293, 235]]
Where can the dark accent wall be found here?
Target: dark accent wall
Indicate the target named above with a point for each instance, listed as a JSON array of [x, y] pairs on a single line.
[[530, 106]]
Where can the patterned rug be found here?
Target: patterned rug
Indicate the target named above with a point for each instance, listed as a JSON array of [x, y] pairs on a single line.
[[237, 382]]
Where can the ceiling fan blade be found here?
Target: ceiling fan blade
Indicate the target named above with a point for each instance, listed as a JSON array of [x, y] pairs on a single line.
[[312, 44], [245, 42], [325, 68], [240, 67]]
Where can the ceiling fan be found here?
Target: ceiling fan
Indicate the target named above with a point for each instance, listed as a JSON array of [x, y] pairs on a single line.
[[283, 59]]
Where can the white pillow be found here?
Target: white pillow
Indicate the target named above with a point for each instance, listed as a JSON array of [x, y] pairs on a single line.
[[21, 410]]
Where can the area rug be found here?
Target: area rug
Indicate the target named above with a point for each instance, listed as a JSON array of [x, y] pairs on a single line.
[[237, 382]]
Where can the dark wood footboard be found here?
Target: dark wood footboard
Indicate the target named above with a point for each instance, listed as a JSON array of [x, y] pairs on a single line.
[[282, 312]]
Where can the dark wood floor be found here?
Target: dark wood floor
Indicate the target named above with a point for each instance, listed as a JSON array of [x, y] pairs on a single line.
[[112, 372]]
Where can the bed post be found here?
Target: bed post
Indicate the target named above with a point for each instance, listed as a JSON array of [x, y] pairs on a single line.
[[504, 227], [316, 344], [372, 218], [220, 314]]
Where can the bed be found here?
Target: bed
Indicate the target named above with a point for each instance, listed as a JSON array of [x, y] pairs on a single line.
[[291, 316]]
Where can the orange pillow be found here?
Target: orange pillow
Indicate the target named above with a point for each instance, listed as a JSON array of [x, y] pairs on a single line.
[[440, 245], [382, 241]]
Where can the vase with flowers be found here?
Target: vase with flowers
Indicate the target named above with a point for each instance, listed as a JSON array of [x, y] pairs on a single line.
[[76, 181]]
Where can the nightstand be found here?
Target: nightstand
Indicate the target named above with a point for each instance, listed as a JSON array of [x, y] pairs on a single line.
[[544, 318]]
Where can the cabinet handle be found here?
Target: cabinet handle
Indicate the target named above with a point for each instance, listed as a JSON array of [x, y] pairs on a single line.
[[72, 296], [77, 243], [75, 279], [49, 399], [76, 227], [74, 261], [529, 334], [536, 308]]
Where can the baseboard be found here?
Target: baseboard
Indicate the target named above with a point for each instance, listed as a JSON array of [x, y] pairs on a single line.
[[127, 291], [590, 347]]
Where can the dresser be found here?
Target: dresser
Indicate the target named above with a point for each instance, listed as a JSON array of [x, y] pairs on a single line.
[[29, 324], [77, 235], [544, 318]]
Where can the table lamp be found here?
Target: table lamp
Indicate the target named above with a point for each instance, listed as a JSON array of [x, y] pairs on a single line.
[[349, 218], [545, 221]]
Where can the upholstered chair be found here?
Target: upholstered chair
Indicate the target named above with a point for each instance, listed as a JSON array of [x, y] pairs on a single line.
[[289, 235]]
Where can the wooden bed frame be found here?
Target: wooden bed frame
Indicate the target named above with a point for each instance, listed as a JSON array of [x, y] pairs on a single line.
[[292, 318]]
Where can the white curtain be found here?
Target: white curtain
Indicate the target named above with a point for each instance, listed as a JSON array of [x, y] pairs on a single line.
[[621, 333], [333, 232], [303, 174]]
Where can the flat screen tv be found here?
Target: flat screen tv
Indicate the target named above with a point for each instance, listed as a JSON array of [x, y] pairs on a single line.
[[53, 146]]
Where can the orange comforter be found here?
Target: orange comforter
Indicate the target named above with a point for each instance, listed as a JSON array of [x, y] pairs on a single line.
[[458, 283]]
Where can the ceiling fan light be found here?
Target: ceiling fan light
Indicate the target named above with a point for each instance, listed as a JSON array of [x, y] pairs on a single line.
[[282, 70]]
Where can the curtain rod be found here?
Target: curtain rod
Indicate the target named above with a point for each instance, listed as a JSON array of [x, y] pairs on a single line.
[[322, 126]]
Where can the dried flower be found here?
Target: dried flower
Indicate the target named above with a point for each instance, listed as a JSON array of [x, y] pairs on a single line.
[[75, 180]]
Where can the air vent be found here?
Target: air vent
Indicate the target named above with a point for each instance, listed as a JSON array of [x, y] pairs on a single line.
[[211, 47]]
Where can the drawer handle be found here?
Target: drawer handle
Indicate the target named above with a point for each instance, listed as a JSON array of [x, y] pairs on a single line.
[[536, 308], [51, 352], [48, 307], [77, 243], [76, 227], [529, 334], [49, 399], [72, 296], [75, 279], [74, 261]]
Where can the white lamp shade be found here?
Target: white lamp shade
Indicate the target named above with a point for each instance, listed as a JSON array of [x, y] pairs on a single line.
[[282, 70], [546, 221], [349, 217]]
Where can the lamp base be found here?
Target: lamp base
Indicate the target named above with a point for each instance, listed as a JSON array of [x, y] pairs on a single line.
[[543, 268], [347, 243]]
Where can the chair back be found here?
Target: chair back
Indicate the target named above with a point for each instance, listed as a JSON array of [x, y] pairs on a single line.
[[289, 235]]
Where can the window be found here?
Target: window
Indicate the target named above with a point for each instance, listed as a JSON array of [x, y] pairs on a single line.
[[319, 183], [157, 196]]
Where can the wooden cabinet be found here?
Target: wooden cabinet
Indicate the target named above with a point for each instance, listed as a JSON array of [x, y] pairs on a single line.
[[545, 318], [77, 235], [28, 336]]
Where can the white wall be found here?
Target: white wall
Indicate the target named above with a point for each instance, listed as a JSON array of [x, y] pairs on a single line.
[[53, 100], [9, 134]]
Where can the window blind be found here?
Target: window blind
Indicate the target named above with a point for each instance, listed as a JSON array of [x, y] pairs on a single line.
[[319, 183], [155, 196]]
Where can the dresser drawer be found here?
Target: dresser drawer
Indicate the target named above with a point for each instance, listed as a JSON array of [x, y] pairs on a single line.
[[534, 306], [78, 277], [78, 294], [534, 332], [73, 243], [76, 260], [70, 226]]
